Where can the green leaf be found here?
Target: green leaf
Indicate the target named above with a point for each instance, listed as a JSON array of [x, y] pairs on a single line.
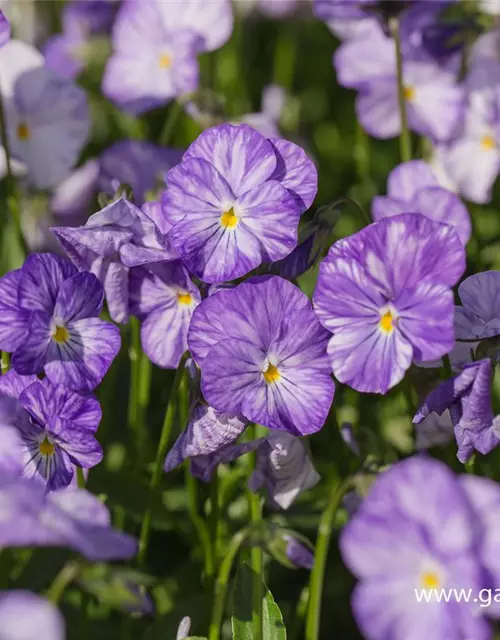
[[241, 620]]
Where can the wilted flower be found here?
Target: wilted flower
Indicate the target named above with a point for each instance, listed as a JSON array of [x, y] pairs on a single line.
[[53, 430], [235, 201], [468, 398], [385, 294], [156, 46], [68, 517], [262, 354], [479, 317], [26, 616], [399, 550], [163, 298], [413, 188], [47, 115], [50, 320], [284, 468], [4, 29], [116, 238]]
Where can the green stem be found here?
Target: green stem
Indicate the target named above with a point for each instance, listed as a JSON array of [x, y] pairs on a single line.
[[80, 478], [143, 393], [447, 366], [134, 356], [171, 120], [161, 452], [362, 154], [12, 199], [214, 516], [256, 556], [222, 582], [348, 200], [285, 54], [300, 614], [5, 362], [67, 574], [404, 136], [318, 572]]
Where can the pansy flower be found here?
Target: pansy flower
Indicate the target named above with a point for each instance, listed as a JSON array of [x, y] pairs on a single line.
[[235, 201], [116, 238], [398, 550], [26, 616], [163, 298], [412, 187], [53, 430], [156, 45], [262, 355], [467, 396], [479, 315], [51, 323], [385, 294]]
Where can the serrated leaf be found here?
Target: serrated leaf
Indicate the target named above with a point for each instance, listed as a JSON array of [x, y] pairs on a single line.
[[241, 620]]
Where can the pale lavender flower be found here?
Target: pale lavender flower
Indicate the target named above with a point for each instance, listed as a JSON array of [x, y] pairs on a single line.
[[163, 297], [412, 187], [385, 294], [398, 549], [26, 616], [235, 201], [479, 317], [72, 198]]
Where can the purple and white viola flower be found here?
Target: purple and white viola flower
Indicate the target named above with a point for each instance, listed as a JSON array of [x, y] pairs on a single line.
[[163, 297], [284, 468], [116, 238], [51, 323], [262, 355], [69, 517], [398, 550], [235, 201], [467, 396], [434, 100], [412, 187], [208, 431], [156, 47], [47, 116], [479, 317], [385, 294], [4, 29], [26, 616], [52, 430]]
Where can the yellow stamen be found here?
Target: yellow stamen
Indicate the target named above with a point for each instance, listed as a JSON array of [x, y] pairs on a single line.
[[23, 132], [386, 322], [61, 334], [409, 93], [430, 580], [488, 143], [228, 219], [184, 298], [46, 448], [165, 61], [272, 374]]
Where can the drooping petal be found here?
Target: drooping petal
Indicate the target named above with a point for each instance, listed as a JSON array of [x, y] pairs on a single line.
[[13, 319], [295, 171], [116, 285], [41, 278]]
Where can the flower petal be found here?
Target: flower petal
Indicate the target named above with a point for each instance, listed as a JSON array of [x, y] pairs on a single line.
[[295, 171], [31, 356], [41, 278], [13, 319], [80, 296], [409, 178]]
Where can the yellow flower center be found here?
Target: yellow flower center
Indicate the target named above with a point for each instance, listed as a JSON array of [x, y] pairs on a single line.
[[165, 61], [228, 219], [409, 93], [430, 580], [387, 322], [61, 334], [184, 298], [47, 448], [488, 143], [23, 132], [272, 374]]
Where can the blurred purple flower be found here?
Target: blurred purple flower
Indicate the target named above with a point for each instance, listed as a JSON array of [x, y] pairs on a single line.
[[208, 431], [385, 294], [298, 554], [116, 238], [413, 188], [397, 549], [4, 29], [89, 16], [68, 517], [479, 317], [349, 437], [156, 46], [267, 120], [72, 198], [163, 298], [434, 430], [434, 101], [284, 468], [467, 396], [50, 320], [54, 430], [235, 201], [26, 616], [47, 116], [262, 354]]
